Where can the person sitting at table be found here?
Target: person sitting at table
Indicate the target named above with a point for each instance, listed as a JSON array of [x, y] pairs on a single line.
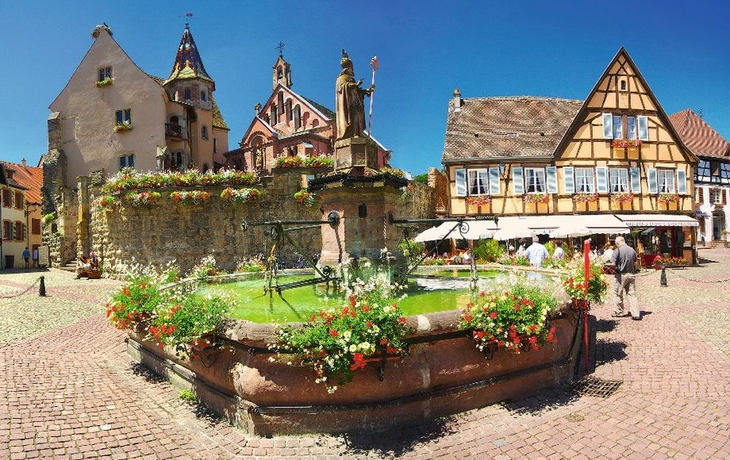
[[82, 266]]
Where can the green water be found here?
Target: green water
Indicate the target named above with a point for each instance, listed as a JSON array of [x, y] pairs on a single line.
[[298, 304]]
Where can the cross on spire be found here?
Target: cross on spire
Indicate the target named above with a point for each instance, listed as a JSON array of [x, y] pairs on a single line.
[[280, 47]]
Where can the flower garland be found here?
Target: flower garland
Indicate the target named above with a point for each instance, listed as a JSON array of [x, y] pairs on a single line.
[[584, 197], [190, 198], [142, 199], [536, 197], [478, 200], [238, 196], [129, 179]]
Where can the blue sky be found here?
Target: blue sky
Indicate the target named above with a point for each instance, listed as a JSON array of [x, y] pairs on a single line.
[[426, 49]]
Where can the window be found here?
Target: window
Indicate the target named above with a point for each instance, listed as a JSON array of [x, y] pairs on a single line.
[[535, 178], [584, 180], [478, 182], [18, 232], [124, 117], [7, 198], [7, 230], [274, 114], [204, 132], [716, 195], [635, 127], [289, 113], [35, 225], [126, 161], [105, 73], [297, 117], [18, 200], [665, 180], [203, 96], [619, 178], [215, 145], [187, 94]]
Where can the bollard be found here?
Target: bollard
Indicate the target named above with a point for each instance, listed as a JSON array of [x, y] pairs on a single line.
[[42, 288], [663, 277]]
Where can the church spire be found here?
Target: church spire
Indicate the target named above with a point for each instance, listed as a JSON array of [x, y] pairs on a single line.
[[188, 64], [282, 69]]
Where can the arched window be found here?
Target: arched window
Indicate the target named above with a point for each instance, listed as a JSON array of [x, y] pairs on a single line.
[[297, 117], [204, 132], [274, 114], [203, 96]]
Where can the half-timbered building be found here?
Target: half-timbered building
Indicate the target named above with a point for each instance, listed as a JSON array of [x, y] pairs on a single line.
[[615, 156]]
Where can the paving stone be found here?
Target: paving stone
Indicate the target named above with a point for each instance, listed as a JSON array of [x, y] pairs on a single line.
[[672, 401]]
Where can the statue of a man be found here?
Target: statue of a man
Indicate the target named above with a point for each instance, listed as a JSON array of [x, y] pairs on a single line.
[[350, 106]]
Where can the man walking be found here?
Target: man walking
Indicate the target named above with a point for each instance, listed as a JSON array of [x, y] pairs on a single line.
[[623, 260], [536, 253]]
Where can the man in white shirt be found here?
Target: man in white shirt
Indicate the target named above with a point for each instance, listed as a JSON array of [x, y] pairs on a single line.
[[536, 253]]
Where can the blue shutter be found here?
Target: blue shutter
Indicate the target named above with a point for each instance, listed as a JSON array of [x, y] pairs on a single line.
[[635, 180], [568, 180], [517, 180], [552, 179], [643, 127], [651, 177], [608, 126], [681, 182], [601, 179], [494, 185], [460, 175]]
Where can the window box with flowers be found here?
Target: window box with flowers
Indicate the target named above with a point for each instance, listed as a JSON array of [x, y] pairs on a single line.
[[190, 198], [622, 197], [580, 293], [478, 200], [626, 143], [583, 197], [122, 127], [105, 82], [239, 196], [338, 342], [668, 198], [288, 162], [305, 198], [142, 199], [536, 198], [318, 162], [514, 320]]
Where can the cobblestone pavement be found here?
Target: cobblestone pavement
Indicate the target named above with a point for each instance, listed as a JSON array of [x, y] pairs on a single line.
[[671, 371]]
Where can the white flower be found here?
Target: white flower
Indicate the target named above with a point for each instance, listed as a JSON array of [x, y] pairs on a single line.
[[346, 335], [365, 346], [353, 348]]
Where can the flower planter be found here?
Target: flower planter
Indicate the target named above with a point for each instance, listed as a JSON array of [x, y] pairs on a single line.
[[442, 374], [580, 304]]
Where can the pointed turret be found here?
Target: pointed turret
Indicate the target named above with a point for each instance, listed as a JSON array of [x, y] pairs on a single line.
[[282, 73], [188, 64]]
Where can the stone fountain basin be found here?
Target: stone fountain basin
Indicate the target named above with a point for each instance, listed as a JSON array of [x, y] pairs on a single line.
[[443, 374]]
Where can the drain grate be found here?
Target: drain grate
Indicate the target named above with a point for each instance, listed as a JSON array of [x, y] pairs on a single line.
[[592, 386]]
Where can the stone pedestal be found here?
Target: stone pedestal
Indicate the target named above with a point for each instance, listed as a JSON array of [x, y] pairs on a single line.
[[364, 230], [356, 152]]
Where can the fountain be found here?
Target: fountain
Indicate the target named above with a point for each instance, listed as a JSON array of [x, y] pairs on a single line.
[[245, 381]]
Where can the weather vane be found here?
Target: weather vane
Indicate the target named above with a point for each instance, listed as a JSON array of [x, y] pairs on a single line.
[[188, 15]]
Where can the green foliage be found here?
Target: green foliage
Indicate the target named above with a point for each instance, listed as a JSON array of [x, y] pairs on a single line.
[[129, 179], [575, 285], [412, 250], [488, 250], [188, 396], [135, 302], [422, 178]]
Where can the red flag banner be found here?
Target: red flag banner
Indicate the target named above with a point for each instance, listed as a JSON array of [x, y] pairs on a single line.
[[374, 63]]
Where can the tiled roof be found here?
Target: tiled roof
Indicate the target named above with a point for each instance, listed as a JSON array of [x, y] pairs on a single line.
[[698, 136], [27, 177], [187, 61], [324, 110], [218, 120], [499, 127]]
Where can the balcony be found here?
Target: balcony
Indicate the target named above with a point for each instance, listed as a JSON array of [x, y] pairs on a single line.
[[175, 131]]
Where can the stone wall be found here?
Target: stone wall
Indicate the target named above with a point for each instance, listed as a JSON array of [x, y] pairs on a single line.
[[124, 235]]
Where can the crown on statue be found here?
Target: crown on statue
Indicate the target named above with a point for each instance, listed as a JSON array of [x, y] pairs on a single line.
[[345, 62]]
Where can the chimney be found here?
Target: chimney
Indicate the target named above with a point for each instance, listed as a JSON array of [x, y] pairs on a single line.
[[457, 100], [23, 162]]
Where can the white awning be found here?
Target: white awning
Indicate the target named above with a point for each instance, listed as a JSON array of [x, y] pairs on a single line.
[[657, 220], [473, 230]]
